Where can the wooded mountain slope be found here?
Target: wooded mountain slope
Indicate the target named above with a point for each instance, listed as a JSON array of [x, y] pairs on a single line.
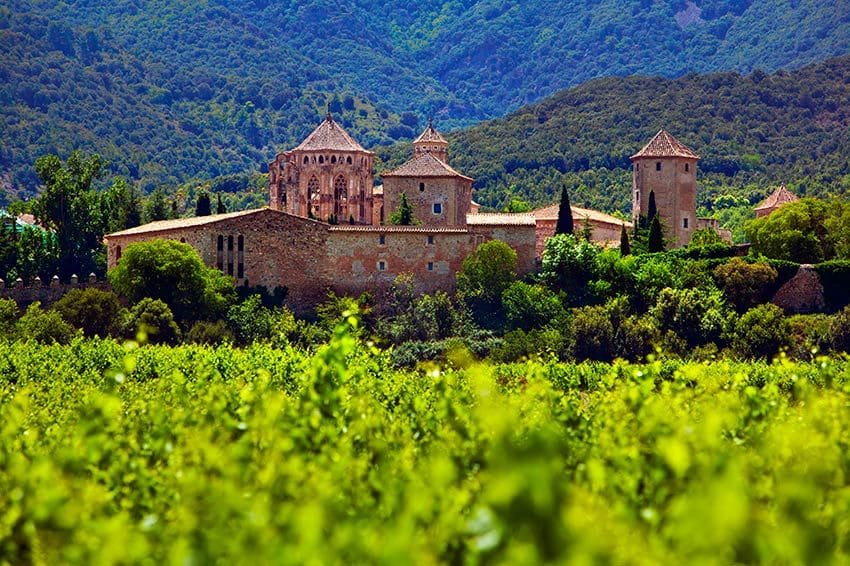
[[170, 91]]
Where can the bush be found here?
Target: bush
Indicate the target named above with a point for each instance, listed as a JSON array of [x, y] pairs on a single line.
[[8, 318], [250, 321], [206, 332], [835, 278], [96, 312], [568, 264], [153, 318], [531, 306], [174, 273], [745, 284], [809, 333], [591, 334], [694, 315], [840, 330], [761, 332], [485, 275], [635, 338], [45, 327]]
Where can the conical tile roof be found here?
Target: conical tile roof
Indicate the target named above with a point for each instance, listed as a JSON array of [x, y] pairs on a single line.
[[665, 145], [424, 165], [329, 136], [779, 197], [430, 135]]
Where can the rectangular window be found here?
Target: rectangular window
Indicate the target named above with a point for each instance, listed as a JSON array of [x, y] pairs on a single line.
[[382, 240], [658, 166], [219, 253], [430, 240], [430, 266], [438, 208], [230, 255], [687, 167], [684, 223], [240, 248], [382, 265]]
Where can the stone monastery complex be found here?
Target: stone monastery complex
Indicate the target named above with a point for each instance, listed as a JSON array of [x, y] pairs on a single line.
[[327, 225]]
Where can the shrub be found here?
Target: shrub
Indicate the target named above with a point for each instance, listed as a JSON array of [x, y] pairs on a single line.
[[809, 333], [206, 332], [250, 321], [840, 330], [835, 278], [485, 275], [745, 284], [694, 315], [154, 318], [635, 338], [568, 264], [8, 318], [45, 327], [96, 312], [592, 334], [531, 306], [761, 332]]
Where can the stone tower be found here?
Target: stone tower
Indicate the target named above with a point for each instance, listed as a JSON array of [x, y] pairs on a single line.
[[328, 176], [667, 168], [440, 195]]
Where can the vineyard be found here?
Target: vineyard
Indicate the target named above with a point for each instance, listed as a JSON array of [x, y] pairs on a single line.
[[196, 454]]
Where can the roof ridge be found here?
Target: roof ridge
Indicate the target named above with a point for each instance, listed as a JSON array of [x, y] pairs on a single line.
[[423, 162], [329, 135], [663, 144]]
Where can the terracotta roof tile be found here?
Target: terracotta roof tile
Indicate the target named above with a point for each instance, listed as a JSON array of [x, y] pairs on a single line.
[[396, 229], [329, 135], [430, 135], [665, 145], [424, 165], [551, 213], [165, 225], [777, 198], [500, 219]]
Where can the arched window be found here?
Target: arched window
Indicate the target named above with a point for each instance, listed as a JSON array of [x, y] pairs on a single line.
[[321, 159], [313, 196], [333, 159], [348, 160], [341, 198], [306, 160]]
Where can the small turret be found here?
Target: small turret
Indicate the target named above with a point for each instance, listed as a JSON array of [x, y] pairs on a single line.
[[430, 141]]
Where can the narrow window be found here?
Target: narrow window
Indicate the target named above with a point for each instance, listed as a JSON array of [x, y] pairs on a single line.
[[430, 240], [240, 247], [684, 223], [117, 253], [637, 166], [421, 187], [333, 159], [230, 255], [438, 208], [658, 166], [348, 160], [382, 240], [382, 265], [182, 240], [306, 160], [219, 255], [430, 266], [687, 167]]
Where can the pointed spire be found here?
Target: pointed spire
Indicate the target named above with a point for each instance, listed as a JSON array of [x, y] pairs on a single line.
[[665, 145]]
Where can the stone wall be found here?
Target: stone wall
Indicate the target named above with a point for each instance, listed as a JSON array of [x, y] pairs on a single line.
[[601, 232], [802, 294], [454, 195], [49, 293], [675, 194]]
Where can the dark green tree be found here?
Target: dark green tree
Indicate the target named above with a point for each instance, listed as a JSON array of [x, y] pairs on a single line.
[[625, 246], [656, 236], [203, 206], [565, 214], [651, 209], [156, 207], [96, 312], [220, 208], [403, 216]]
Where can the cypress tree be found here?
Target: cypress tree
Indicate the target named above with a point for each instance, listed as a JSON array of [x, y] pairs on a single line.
[[565, 214], [220, 208], [202, 207], [656, 237], [404, 215], [651, 209], [625, 246]]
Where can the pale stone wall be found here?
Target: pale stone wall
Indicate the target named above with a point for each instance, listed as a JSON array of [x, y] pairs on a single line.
[[453, 193], [675, 194]]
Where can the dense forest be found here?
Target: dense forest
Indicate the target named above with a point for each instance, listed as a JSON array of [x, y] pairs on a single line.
[[169, 92]]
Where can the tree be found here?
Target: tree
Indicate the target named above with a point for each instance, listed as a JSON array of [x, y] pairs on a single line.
[[705, 237], [220, 208], [174, 273], [69, 207], [154, 319], [202, 207], [694, 315], [156, 207], [798, 231], [565, 214], [656, 236], [531, 306], [625, 246], [651, 209], [46, 327], [761, 332], [569, 264], [744, 284], [592, 334], [96, 312], [403, 215], [8, 318], [484, 276]]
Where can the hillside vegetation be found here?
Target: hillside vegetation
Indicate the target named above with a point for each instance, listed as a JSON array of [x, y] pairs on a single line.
[[168, 92]]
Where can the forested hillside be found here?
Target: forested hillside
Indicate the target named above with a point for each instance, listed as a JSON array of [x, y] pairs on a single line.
[[752, 132], [169, 92]]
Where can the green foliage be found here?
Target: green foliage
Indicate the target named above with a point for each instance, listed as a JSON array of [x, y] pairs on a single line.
[[745, 284], [693, 315], [403, 215], [705, 237], [591, 334], [484, 276], [625, 246], [251, 321], [8, 317], [153, 319], [835, 277], [568, 264], [95, 312], [205, 332], [44, 327], [203, 206], [174, 273], [840, 330], [530, 306], [761, 332]]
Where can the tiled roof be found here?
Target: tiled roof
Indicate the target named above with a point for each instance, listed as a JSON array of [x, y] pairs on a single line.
[[379, 190], [665, 145], [551, 213], [424, 165], [430, 135], [385, 229], [329, 135], [779, 197], [164, 225], [500, 219]]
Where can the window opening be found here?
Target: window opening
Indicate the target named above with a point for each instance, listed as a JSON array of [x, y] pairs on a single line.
[[438, 208], [219, 255], [658, 166], [230, 255], [240, 247]]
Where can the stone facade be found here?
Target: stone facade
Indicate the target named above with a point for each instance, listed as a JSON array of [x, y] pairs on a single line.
[[604, 228]]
